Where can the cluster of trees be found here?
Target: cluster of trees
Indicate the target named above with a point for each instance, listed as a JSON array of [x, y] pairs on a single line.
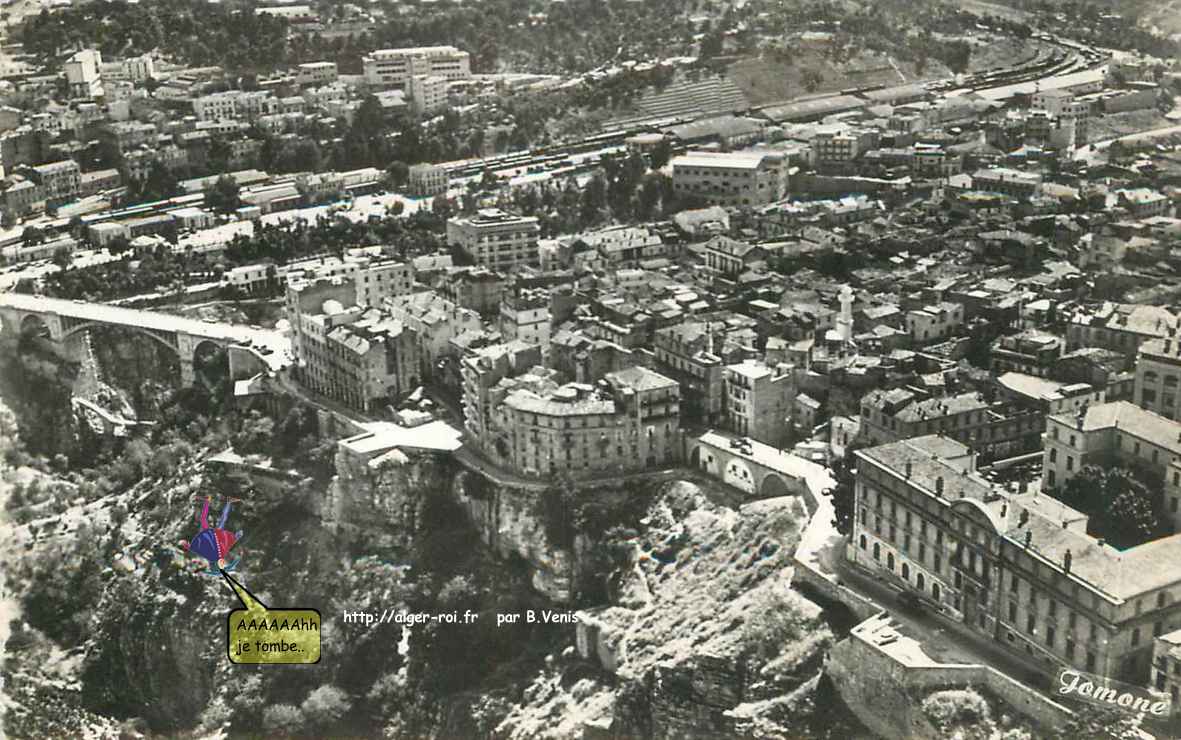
[[622, 191], [1125, 504], [164, 270], [193, 32]]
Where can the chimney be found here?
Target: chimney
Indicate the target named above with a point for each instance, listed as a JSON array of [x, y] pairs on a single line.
[[1066, 562], [1004, 510], [1023, 518], [909, 468], [1028, 537], [939, 486]]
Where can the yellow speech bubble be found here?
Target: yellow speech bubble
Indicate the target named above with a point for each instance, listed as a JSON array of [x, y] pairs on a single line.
[[257, 634]]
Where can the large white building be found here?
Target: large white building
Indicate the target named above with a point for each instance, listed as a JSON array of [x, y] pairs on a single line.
[[428, 93], [395, 67], [731, 178], [83, 73], [496, 239]]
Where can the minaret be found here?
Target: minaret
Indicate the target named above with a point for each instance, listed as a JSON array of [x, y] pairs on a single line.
[[845, 320]]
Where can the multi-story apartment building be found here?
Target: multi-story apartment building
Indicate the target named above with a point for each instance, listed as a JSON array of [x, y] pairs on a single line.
[[476, 288], [1166, 667], [1121, 327], [732, 178], [427, 93], [1144, 202], [435, 320], [1047, 396], [1016, 183], [759, 400], [525, 315], [362, 357], [427, 179], [140, 69], [495, 239], [695, 354], [234, 104], [1064, 105], [996, 430], [731, 256], [374, 276], [935, 322], [1158, 377], [834, 146], [394, 67], [630, 422], [1017, 568], [1115, 433], [83, 73], [622, 246], [59, 181], [481, 370], [1032, 352], [316, 73]]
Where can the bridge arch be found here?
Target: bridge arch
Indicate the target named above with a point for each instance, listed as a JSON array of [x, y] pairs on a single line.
[[88, 325], [210, 361], [32, 325], [774, 486]]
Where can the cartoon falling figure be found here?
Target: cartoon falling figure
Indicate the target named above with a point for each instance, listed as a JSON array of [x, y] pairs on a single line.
[[214, 543]]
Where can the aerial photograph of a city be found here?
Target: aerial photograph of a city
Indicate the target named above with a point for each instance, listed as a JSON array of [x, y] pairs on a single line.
[[590, 369]]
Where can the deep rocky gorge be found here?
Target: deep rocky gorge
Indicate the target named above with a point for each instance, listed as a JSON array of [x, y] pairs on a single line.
[[686, 622]]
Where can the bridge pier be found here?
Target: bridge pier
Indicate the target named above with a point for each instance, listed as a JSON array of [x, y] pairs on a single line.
[[188, 376]]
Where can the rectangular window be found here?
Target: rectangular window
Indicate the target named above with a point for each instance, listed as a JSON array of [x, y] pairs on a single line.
[[1049, 637], [1031, 624], [1012, 612], [1135, 637]]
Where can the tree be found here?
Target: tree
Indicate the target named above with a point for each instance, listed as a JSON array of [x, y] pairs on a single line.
[[660, 155], [160, 183], [325, 706], [61, 257], [843, 493], [32, 235], [282, 718], [1123, 504], [224, 195], [398, 173]]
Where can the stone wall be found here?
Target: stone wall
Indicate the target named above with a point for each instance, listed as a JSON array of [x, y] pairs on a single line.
[[886, 692]]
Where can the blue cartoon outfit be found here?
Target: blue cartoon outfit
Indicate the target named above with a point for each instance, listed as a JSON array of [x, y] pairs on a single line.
[[214, 543]]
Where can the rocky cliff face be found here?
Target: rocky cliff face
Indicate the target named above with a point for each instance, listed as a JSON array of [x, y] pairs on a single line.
[[375, 503], [508, 521], [705, 640]]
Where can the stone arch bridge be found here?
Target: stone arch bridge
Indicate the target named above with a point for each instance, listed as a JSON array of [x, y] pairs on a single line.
[[250, 350], [757, 469]]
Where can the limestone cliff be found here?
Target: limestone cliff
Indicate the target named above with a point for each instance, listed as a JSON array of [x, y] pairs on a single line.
[[507, 518], [706, 638]]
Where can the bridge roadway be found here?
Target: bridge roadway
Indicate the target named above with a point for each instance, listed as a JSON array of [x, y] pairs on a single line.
[[271, 349]]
